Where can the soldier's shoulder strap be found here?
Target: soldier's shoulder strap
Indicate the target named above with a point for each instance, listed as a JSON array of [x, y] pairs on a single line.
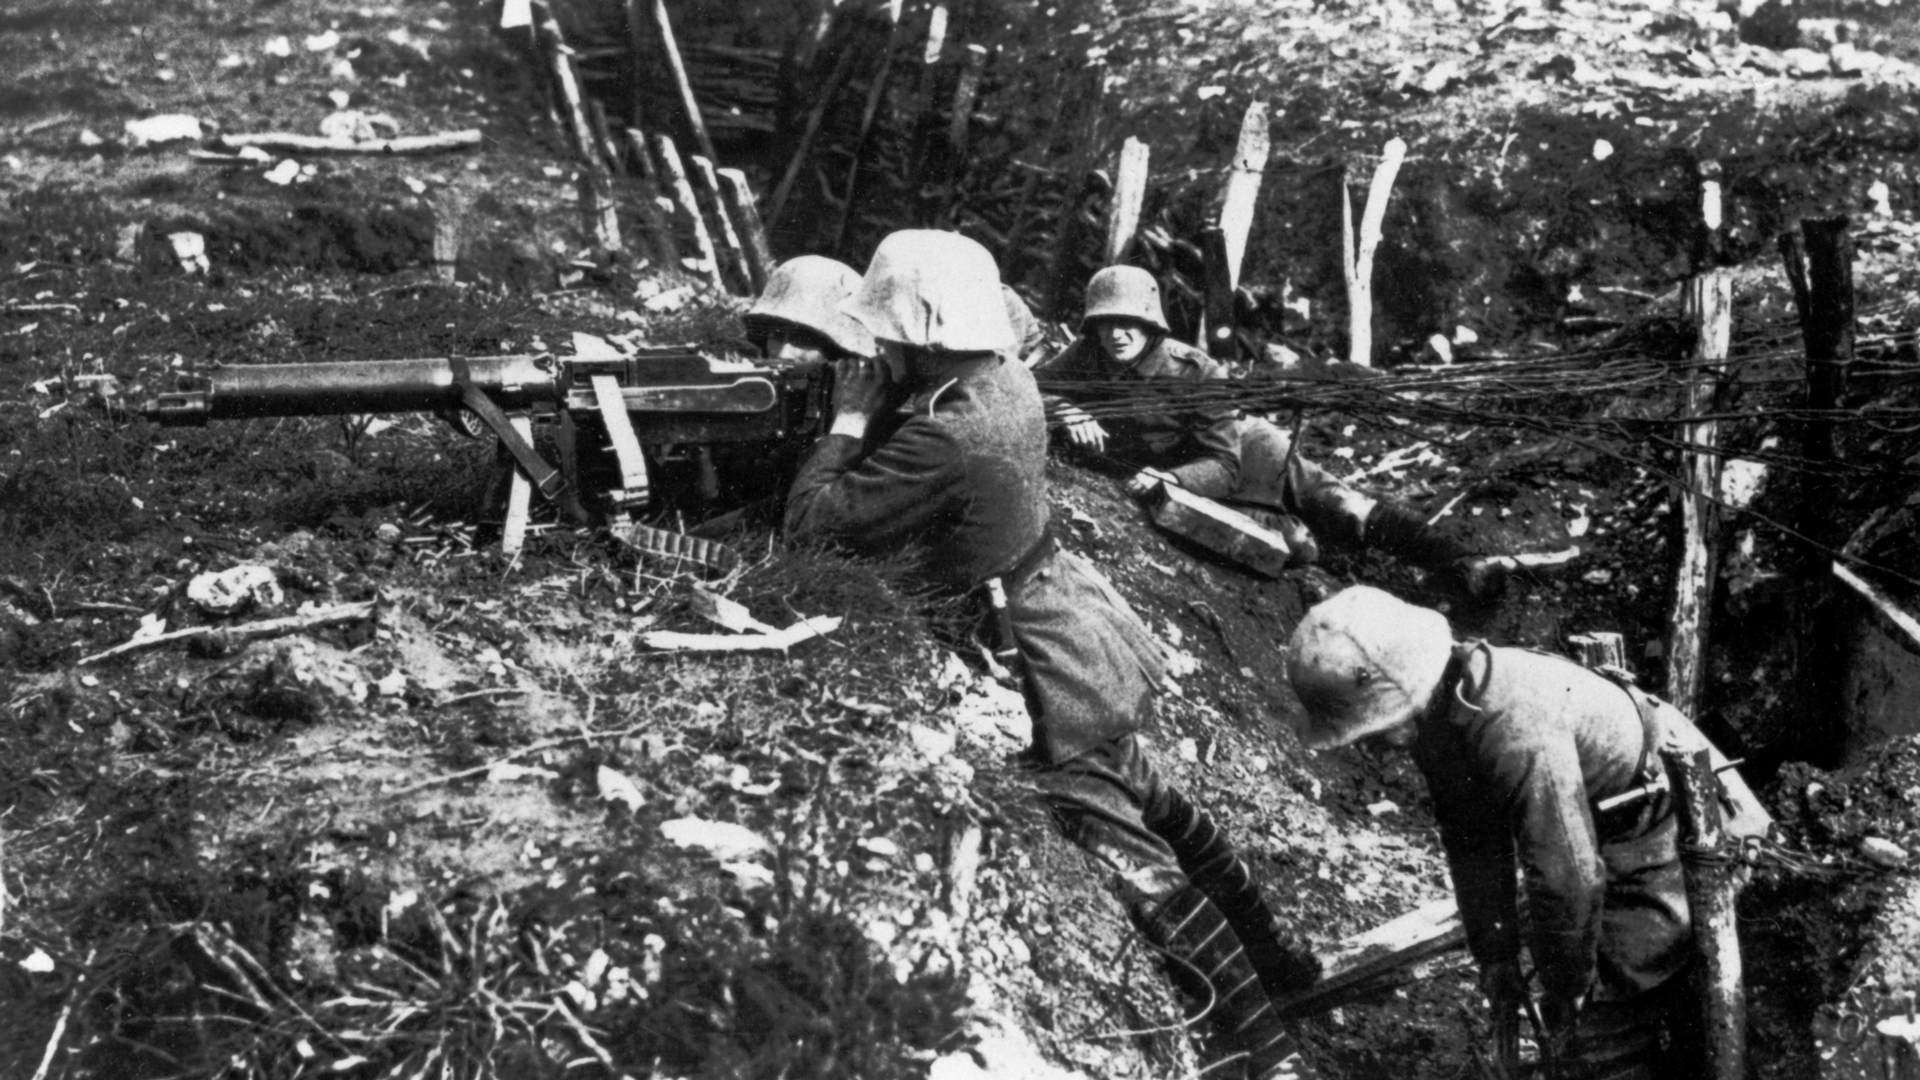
[[1648, 708]]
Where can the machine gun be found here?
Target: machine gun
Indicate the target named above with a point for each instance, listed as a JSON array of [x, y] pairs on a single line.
[[629, 408]]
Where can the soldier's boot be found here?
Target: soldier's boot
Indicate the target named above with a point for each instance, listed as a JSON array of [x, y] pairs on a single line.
[[1284, 960], [1204, 959], [1405, 535]]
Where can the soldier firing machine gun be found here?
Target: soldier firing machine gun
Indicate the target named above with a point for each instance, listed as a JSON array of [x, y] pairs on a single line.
[[597, 407]]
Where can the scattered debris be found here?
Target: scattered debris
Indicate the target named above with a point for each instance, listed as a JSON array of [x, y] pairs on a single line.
[[719, 840], [235, 589], [162, 129]]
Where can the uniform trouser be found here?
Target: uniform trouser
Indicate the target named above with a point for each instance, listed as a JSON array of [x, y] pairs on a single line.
[[1655, 1035], [1272, 477], [1099, 799]]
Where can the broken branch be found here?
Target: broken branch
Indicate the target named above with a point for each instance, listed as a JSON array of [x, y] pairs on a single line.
[[287, 142], [249, 632]]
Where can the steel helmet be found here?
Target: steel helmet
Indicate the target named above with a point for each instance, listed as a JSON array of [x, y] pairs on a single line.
[[1363, 662], [1124, 292], [934, 290], [810, 291]]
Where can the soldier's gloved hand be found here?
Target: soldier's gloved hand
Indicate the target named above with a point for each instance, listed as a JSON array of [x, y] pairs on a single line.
[[1143, 481], [1083, 430], [861, 391]]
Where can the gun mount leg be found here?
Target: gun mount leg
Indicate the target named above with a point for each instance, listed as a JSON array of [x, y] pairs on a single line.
[[519, 495], [633, 493]]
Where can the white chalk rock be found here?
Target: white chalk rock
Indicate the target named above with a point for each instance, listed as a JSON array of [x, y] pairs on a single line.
[[165, 128], [235, 589], [721, 840]]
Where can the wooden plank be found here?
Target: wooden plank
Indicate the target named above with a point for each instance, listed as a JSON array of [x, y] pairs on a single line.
[[746, 215], [1709, 301], [1377, 959], [682, 188], [1826, 324], [1243, 187], [318, 144], [1886, 612], [1129, 195], [1220, 529]]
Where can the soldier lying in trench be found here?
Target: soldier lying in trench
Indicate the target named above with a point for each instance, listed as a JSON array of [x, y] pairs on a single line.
[[1217, 453], [939, 447], [1524, 753]]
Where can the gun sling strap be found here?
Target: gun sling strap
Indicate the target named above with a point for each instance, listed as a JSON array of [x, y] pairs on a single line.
[[545, 477]]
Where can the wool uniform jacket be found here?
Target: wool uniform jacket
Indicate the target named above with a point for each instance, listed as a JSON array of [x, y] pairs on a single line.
[[1517, 760], [1199, 447], [958, 476], [1215, 452]]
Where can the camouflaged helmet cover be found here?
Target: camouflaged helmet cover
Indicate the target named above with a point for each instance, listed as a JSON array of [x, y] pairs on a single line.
[[811, 292], [934, 290], [1363, 662], [1124, 292]]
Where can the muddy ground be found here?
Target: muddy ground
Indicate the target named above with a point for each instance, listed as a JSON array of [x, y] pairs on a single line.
[[448, 838]]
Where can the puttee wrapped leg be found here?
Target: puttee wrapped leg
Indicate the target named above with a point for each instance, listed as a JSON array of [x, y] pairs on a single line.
[[1204, 959], [1285, 962]]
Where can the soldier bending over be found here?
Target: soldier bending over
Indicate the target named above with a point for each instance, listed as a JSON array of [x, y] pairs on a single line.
[[1518, 749]]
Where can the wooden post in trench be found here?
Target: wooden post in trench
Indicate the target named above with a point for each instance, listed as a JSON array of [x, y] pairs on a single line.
[[671, 46], [666, 249], [1826, 322], [1710, 900], [596, 188], [1708, 303], [1227, 253], [746, 214], [1129, 195], [1357, 252], [676, 177], [709, 183]]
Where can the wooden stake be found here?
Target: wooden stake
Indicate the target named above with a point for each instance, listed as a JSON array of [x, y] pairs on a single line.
[[1217, 326], [676, 176], [805, 145], [729, 237], [603, 137], [1243, 187], [1710, 900], [666, 249], [1358, 254], [876, 91], [1709, 302], [964, 93], [596, 190], [671, 46], [1376, 960], [746, 215], [1826, 324], [1129, 195]]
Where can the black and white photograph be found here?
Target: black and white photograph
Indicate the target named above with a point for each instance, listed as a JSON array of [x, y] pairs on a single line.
[[959, 539]]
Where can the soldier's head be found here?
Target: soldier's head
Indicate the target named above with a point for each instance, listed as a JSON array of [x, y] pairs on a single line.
[[931, 298], [1365, 663], [799, 315], [1123, 313]]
